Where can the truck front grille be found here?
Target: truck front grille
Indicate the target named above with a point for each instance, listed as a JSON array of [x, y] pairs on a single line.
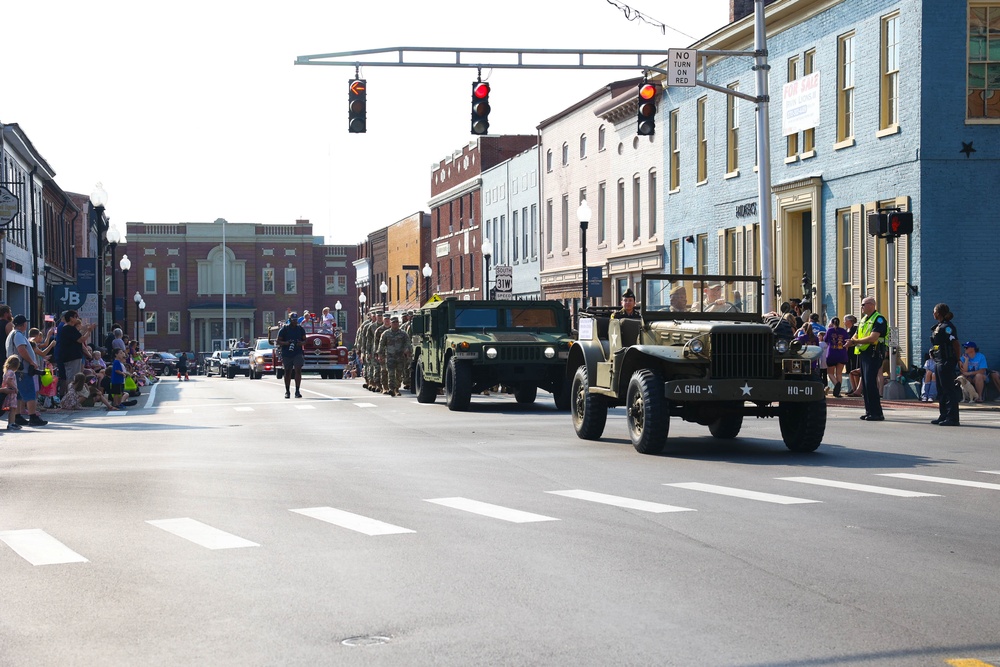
[[518, 353], [742, 355]]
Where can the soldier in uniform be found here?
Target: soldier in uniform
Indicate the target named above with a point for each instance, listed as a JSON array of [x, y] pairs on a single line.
[[679, 299], [405, 324], [869, 344], [361, 348], [379, 377], [394, 352], [628, 311], [946, 352]]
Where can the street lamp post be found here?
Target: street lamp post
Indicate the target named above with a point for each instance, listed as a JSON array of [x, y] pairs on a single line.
[[583, 214], [98, 198], [142, 325], [384, 289], [428, 272], [225, 340], [113, 236], [361, 301], [337, 306], [138, 299], [487, 254], [125, 265]]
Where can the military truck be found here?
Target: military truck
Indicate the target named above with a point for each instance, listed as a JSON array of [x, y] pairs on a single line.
[[703, 352], [467, 347]]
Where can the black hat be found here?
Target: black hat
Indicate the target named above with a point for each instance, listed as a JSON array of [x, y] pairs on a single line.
[[628, 294], [19, 320]]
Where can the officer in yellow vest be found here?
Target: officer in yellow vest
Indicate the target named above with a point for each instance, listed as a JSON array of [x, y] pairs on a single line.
[[870, 345]]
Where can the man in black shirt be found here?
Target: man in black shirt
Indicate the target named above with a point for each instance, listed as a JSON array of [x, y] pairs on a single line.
[[70, 347], [290, 339]]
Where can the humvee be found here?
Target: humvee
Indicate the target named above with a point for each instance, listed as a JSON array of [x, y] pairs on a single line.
[[702, 352], [470, 346]]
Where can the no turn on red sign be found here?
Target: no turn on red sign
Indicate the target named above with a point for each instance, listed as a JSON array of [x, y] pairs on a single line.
[[681, 67], [10, 206]]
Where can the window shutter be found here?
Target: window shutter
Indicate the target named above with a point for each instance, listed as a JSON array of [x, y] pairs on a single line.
[[871, 256], [786, 290], [722, 251], [902, 294], [857, 243]]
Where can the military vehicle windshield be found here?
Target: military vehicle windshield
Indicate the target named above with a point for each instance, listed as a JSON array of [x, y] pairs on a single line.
[[703, 297], [505, 318]]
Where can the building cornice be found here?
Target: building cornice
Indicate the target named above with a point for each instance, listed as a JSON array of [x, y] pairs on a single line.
[[463, 188]]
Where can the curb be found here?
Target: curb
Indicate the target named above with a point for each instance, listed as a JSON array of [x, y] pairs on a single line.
[[845, 402]]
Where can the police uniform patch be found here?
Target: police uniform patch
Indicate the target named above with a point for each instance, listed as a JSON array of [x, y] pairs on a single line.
[[880, 320], [947, 330]]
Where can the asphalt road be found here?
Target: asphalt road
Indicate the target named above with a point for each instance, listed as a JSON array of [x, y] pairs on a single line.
[[219, 524]]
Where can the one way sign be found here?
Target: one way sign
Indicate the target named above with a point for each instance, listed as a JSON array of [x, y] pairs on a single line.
[[681, 67]]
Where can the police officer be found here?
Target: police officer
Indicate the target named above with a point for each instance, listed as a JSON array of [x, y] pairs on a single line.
[[869, 345], [628, 310], [946, 352]]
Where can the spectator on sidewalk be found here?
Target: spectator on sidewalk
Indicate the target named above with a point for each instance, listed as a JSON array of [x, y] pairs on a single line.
[[19, 345], [9, 391], [71, 352], [974, 368], [836, 355], [928, 391]]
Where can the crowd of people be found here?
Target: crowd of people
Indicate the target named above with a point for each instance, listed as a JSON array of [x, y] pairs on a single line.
[[59, 369]]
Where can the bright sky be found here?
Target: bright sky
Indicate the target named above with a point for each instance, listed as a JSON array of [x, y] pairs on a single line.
[[189, 111]]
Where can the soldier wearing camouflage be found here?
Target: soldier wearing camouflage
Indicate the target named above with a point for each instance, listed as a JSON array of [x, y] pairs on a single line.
[[380, 379], [394, 351]]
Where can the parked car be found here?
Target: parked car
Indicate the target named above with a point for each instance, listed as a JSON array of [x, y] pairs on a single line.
[[213, 364], [237, 363], [164, 363], [261, 359]]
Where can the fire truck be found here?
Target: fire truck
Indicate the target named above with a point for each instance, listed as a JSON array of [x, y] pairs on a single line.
[[322, 350]]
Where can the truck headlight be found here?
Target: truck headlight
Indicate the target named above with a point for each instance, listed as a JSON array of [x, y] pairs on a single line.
[[491, 353], [696, 346], [781, 346], [550, 352]]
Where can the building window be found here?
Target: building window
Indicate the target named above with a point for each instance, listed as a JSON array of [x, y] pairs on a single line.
[[548, 226], [602, 217], [732, 131], [621, 212], [702, 141], [845, 88], [983, 87], [675, 152], [702, 253], [151, 322], [174, 322], [583, 146], [331, 285], [636, 207], [792, 140], [548, 160], [565, 154], [601, 139], [173, 280], [335, 284], [564, 228], [808, 67], [515, 230], [268, 319], [524, 232], [652, 202], [889, 83], [267, 281], [675, 256], [534, 230], [290, 284], [149, 280]]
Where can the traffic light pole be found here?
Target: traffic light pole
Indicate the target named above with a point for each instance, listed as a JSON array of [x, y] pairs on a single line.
[[480, 58]]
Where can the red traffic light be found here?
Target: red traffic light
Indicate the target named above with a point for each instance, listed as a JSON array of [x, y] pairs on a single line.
[[647, 91], [480, 90]]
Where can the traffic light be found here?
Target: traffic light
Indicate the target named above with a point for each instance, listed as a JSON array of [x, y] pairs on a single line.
[[891, 223], [480, 107], [357, 106], [646, 116]]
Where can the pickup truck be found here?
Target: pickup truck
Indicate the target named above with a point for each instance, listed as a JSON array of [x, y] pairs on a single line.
[[237, 363]]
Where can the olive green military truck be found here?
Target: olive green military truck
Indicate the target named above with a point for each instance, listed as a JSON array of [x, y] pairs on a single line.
[[467, 347], [702, 352]]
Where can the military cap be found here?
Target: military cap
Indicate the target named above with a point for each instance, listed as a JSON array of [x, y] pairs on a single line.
[[394, 318], [677, 289], [628, 294]]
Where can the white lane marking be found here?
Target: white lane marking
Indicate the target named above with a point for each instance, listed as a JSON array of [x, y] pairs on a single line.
[[867, 488], [991, 472], [742, 493], [182, 411], [202, 534], [151, 398], [493, 511], [117, 413], [39, 548], [243, 409], [941, 480], [365, 405], [305, 407], [355, 522], [619, 501]]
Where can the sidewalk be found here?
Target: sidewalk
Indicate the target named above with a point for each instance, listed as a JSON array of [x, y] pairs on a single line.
[[847, 402]]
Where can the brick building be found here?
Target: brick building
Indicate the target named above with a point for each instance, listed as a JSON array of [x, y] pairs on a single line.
[[268, 270]]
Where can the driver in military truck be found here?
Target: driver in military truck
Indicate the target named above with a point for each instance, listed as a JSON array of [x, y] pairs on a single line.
[[628, 310], [679, 299]]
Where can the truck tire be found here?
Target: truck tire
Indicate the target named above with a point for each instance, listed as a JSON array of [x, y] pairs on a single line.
[[231, 373], [457, 385], [648, 414], [802, 425], [525, 394], [425, 390], [726, 427], [590, 411], [562, 394]]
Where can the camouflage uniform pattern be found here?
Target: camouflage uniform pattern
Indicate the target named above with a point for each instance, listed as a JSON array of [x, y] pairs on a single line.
[[394, 349], [378, 369], [359, 343]]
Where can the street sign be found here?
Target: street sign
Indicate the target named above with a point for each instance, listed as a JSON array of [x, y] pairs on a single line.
[[504, 284], [681, 67], [10, 206]]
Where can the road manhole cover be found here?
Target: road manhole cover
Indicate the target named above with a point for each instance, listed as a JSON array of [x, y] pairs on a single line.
[[368, 640]]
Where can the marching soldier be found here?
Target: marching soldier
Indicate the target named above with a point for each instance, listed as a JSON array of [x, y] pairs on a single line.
[[362, 347], [379, 377], [394, 352]]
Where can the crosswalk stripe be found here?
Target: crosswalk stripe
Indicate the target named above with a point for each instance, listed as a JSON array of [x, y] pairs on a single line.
[[365, 405], [941, 480], [991, 472], [202, 534], [867, 488], [39, 548], [243, 409], [305, 407], [182, 411], [620, 501], [355, 522], [742, 493], [493, 511]]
